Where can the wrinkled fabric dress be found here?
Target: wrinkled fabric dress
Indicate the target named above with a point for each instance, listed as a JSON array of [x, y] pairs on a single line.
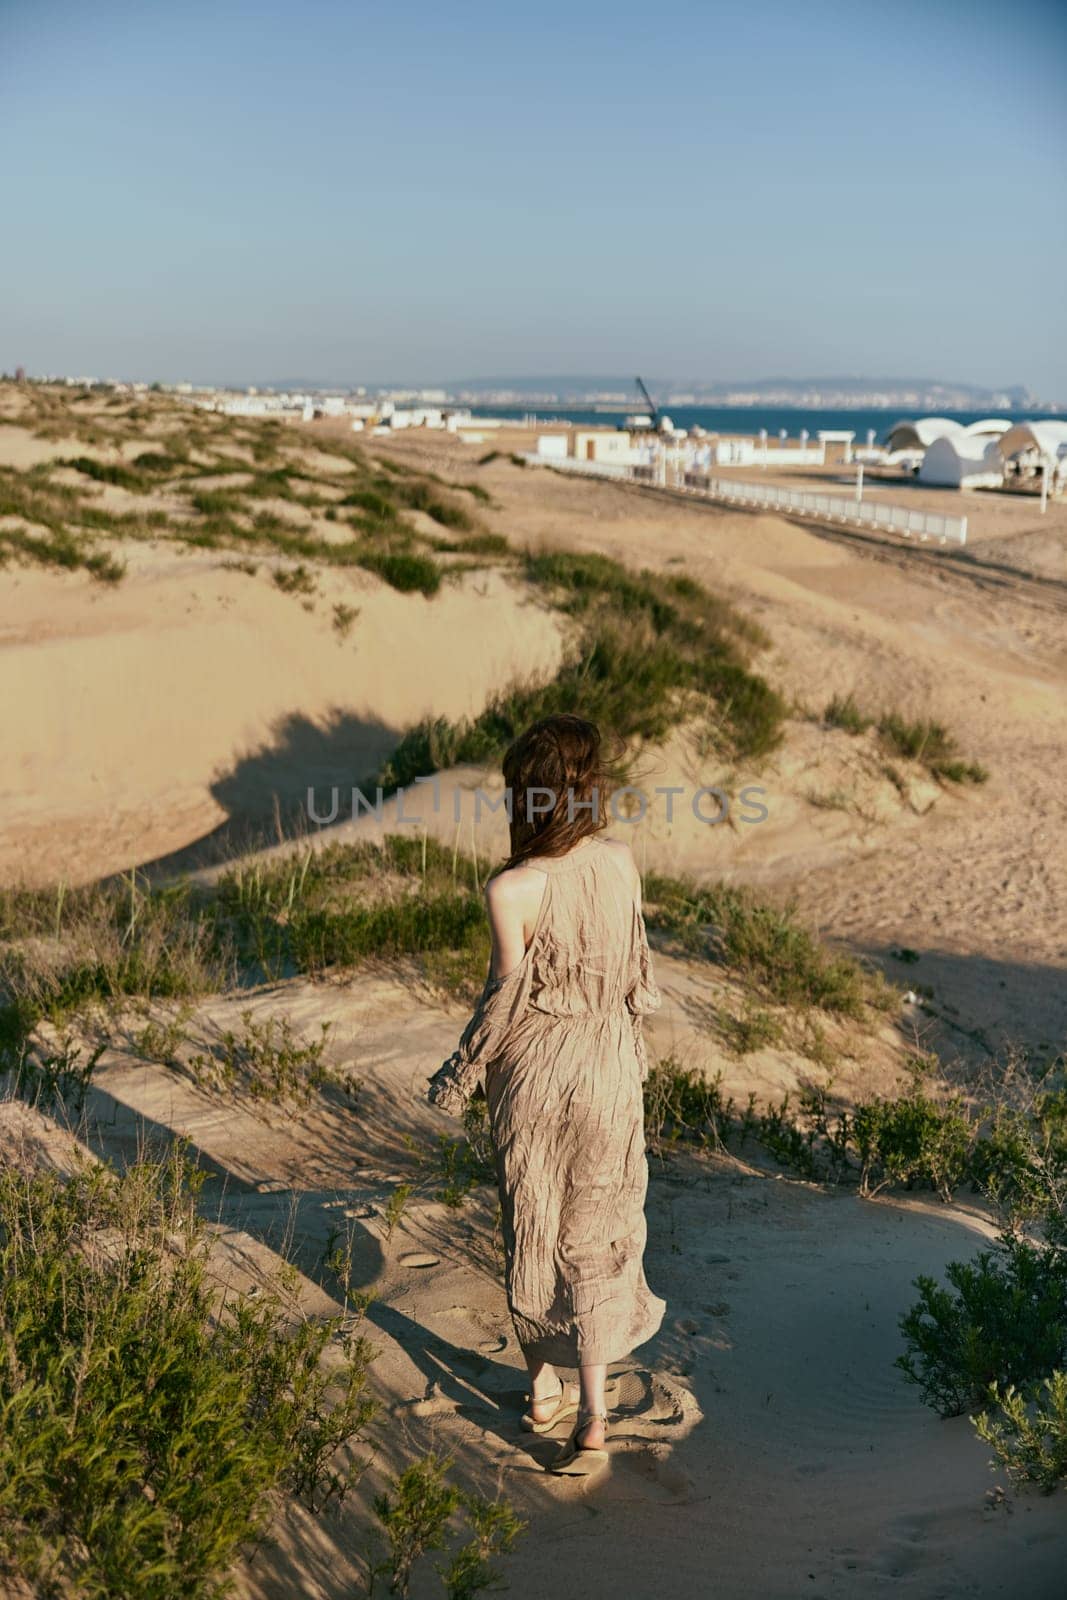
[[557, 1044]]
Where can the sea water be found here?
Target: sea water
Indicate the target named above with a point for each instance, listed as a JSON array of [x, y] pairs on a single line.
[[744, 420]]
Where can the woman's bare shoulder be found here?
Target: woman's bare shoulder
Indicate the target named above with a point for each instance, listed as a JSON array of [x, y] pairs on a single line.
[[515, 887]]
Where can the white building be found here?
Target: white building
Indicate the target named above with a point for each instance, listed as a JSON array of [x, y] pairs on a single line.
[[552, 446], [613, 448], [761, 453]]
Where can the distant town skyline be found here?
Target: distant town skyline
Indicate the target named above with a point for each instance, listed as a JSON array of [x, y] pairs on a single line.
[[230, 191], [804, 393]]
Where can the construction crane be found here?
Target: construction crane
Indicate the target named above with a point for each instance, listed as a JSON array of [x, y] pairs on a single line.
[[653, 409]]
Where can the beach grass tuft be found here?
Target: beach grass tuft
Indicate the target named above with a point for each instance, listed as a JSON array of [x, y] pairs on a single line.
[[779, 955]]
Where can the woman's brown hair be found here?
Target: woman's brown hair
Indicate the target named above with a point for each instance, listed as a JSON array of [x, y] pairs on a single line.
[[562, 754]]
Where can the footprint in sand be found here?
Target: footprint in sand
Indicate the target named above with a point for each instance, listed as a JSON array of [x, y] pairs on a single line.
[[432, 1404], [655, 1462], [417, 1258]]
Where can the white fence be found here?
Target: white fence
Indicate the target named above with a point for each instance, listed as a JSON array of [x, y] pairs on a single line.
[[921, 525], [836, 508]]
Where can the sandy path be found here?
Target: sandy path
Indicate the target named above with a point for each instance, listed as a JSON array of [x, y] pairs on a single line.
[[763, 1442]]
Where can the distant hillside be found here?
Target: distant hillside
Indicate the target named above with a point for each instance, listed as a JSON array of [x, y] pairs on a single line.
[[921, 393]]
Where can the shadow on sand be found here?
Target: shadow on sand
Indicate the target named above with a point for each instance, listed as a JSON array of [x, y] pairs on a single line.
[[265, 794]]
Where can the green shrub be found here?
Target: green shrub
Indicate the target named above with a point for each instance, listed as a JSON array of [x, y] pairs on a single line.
[[494, 1527], [1028, 1431], [912, 1140], [753, 1030], [1006, 1323], [415, 1514], [462, 1165], [680, 1103], [415, 1517], [1020, 1161], [149, 1422], [50, 1079], [267, 1061]]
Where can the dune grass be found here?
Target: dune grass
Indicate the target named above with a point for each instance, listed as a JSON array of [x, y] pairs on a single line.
[[61, 549], [66, 954], [919, 739], [651, 652], [160, 461], [843, 712], [349, 903], [406, 570], [64, 951], [183, 452], [295, 580], [106, 472], [475, 544], [777, 954], [931, 744]]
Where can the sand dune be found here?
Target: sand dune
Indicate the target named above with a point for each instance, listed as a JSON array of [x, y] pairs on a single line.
[[765, 1445], [139, 720]]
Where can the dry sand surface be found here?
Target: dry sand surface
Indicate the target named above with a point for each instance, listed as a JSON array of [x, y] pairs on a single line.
[[764, 1444], [138, 721]]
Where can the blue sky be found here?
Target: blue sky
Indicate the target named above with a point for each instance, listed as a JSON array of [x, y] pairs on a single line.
[[243, 190]]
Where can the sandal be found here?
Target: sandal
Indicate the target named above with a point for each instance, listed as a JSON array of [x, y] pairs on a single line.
[[565, 1407], [579, 1460]]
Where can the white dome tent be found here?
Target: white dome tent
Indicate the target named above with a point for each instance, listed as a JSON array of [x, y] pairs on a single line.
[[963, 461], [987, 428], [1028, 447], [917, 436]]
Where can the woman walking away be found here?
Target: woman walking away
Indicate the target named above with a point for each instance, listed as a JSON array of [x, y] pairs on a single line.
[[556, 1041]]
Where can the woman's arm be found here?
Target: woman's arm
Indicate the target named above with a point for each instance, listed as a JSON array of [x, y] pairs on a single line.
[[513, 908]]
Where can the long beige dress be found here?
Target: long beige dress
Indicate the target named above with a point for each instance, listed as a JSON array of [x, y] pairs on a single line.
[[558, 1046]]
